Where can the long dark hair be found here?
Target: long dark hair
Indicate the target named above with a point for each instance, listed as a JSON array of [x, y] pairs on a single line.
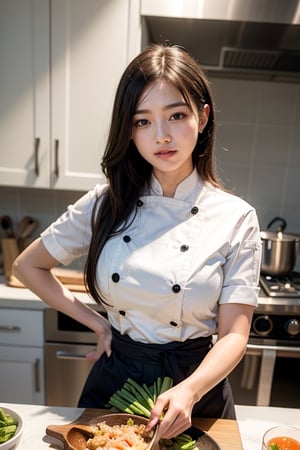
[[126, 171]]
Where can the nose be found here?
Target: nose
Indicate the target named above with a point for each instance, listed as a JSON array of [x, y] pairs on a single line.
[[163, 140], [162, 135]]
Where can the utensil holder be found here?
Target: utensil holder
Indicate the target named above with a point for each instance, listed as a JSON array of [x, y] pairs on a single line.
[[9, 252]]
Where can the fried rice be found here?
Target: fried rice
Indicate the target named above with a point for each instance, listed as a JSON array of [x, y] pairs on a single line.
[[118, 437]]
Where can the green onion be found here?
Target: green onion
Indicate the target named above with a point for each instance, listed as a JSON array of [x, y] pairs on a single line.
[[138, 398], [135, 399]]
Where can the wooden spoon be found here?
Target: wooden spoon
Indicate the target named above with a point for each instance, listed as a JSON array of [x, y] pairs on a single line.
[[26, 226], [77, 437], [7, 225], [74, 437]]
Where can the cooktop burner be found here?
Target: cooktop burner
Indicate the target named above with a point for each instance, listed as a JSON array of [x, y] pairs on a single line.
[[285, 286]]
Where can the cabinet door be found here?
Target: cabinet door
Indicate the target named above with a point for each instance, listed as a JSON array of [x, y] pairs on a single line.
[[22, 375], [20, 327], [24, 93], [89, 53]]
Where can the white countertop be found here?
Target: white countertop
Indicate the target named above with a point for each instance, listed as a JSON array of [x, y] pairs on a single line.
[[15, 297], [253, 421]]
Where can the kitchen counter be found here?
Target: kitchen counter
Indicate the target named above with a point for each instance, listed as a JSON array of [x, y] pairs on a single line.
[[253, 421], [16, 297]]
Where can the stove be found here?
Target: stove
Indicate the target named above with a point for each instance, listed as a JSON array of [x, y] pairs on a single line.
[[287, 286], [277, 317]]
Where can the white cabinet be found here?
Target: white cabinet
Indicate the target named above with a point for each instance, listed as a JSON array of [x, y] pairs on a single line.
[[60, 64], [24, 92], [22, 356]]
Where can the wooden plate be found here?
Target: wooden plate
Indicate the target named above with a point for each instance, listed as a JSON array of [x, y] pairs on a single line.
[[74, 435]]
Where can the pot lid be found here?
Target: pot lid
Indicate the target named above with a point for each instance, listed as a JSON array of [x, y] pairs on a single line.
[[279, 236]]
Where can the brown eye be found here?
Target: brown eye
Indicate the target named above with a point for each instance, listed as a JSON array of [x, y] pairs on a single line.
[[177, 116], [141, 122]]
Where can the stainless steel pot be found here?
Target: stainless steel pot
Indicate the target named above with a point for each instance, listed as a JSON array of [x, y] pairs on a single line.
[[279, 250]]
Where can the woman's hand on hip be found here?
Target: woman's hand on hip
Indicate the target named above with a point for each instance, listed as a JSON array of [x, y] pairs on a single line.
[[103, 345]]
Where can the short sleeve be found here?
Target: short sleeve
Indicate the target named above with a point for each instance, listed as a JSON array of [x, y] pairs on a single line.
[[68, 238], [242, 266]]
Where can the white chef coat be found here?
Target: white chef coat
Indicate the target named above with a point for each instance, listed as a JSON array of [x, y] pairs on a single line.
[[163, 277]]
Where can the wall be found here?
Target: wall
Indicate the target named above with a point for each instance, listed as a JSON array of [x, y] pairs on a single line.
[[258, 145], [257, 151], [42, 204]]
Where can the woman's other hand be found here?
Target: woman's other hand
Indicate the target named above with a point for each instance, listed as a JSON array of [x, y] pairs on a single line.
[[175, 405]]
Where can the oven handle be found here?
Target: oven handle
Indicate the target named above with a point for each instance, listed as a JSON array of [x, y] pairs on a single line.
[[281, 350], [60, 354]]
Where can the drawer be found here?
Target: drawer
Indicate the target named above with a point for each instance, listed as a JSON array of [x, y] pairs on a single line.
[[21, 327]]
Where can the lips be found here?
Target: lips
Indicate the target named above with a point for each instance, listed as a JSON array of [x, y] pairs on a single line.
[[165, 153]]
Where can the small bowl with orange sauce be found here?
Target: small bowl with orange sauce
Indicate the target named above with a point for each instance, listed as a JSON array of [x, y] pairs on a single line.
[[282, 438]]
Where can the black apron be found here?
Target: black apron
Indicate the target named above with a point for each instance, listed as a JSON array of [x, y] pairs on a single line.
[[144, 363]]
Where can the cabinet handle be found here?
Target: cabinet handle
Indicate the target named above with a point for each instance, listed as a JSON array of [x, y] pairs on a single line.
[[56, 153], [60, 354], [36, 156], [10, 329], [37, 375]]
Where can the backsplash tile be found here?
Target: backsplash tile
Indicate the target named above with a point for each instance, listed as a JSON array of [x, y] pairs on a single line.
[[228, 142], [295, 147], [269, 140], [267, 187], [292, 194], [277, 104], [260, 120], [236, 100], [42, 204]]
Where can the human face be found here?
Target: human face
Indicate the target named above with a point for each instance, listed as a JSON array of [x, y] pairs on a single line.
[[165, 131]]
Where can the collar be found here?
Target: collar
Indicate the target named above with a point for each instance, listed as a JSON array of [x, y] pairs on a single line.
[[184, 191]]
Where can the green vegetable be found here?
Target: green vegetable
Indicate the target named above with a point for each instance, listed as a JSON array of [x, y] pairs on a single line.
[[8, 426], [274, 447], [181, 442], [135, 399]]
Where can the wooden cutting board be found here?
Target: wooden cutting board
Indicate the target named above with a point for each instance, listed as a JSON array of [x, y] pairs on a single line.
[[224, 432], [72, 279]]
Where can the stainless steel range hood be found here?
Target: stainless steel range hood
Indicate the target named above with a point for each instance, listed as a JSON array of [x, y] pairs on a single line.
[[256, 39]]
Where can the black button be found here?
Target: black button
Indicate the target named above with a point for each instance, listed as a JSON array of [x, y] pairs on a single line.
[[126, 238], [194, 209], [122, 313], [174, 324], [115, 277], [139, 203], [176, 288], [184, 248]]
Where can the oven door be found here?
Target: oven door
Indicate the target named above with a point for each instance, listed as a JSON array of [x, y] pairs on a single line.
[[268, 375], [66, 369]]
